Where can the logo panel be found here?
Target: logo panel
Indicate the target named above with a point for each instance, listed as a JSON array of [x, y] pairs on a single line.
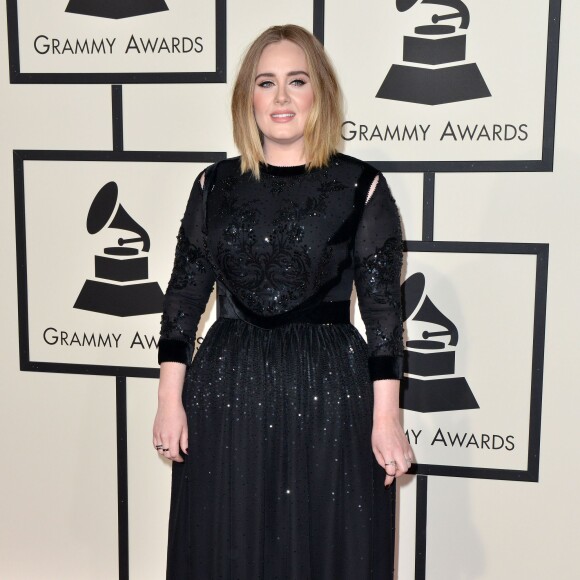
[[117, 41], [470, 408], [454, 85], [96, 240]]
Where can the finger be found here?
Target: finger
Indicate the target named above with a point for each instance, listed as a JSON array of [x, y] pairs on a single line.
[[382, 462], [173, 452], [183, 442], [390, 470], [402, 463], [166, 447], [157, 443], [410, 456]]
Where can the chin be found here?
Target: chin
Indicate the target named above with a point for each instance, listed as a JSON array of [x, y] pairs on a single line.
[[283, 135]]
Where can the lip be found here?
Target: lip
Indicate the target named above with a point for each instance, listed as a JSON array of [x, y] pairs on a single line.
[[282, 116]]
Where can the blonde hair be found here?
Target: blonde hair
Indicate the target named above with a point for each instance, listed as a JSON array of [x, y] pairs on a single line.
[[322, 131]]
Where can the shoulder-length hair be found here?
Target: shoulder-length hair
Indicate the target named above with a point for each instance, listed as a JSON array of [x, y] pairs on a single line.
[[322, 132]]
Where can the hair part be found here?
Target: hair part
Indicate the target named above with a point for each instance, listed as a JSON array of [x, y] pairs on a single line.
[[322, 132]]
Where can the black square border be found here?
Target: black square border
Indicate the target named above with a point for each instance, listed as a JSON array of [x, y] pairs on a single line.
[[17, 77], [549, 129], [19, 158], [541, 251]]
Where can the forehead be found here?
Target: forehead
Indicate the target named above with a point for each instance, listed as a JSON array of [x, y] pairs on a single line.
[[282, 56]]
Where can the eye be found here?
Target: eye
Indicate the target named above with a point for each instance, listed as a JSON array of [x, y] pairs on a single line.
[[298, 82], [266, 84]]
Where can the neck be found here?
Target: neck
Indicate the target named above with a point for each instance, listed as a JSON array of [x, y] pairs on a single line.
[[284, 155]]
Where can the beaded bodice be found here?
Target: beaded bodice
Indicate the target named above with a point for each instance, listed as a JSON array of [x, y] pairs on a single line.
[[285, 243]]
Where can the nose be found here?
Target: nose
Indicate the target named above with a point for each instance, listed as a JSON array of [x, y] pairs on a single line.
[[281, 94]]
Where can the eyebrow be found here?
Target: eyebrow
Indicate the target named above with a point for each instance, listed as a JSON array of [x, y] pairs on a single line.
[[290, 74]]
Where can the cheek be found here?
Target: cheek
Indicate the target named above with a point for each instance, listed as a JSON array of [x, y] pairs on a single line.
[[260, 112], [307, 102], [259, 104]]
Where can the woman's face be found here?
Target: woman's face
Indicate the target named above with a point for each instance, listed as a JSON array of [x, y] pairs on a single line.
[[283, 95]]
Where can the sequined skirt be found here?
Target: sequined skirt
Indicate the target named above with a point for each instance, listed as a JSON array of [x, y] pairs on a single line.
[[280, 481]]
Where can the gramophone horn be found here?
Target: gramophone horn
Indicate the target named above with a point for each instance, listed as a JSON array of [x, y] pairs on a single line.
[[459, 5], [123, 221], [430, 313], [412, 292], [102, 207], [404, 5]]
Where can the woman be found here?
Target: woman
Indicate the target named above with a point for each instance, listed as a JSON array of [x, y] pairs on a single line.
[[284, 430]]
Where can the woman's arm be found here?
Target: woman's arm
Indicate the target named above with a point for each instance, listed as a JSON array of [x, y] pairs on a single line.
[[378, 261], [188, 291]]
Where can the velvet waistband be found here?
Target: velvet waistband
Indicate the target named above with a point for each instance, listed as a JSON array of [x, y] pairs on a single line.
[[337, 312]]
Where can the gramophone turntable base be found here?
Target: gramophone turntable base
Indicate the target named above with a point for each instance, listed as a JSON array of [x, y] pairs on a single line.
[[429, 364], [121, 269], [428, 86], [431, 396], [434, 51], [129, 300]]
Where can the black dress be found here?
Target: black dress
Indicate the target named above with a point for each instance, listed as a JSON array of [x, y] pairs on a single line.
[[280, 481]]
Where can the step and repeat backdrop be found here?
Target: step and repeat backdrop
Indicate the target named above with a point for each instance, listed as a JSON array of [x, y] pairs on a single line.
[[432, 88]]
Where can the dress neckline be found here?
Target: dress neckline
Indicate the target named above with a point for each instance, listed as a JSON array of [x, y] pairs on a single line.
[[282, 170]]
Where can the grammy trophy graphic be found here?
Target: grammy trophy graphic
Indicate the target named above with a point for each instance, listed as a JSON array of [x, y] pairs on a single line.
[[430, 384], [430, 75], [121, 287]]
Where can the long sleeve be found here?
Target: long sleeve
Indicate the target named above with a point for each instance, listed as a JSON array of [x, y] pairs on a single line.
[[378, 257], [189, 287]]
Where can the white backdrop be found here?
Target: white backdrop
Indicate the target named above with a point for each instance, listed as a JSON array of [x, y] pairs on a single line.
[[58, 506]]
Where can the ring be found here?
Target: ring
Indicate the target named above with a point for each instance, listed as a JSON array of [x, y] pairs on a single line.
[[158, 447], [165, 449], [392, 462]]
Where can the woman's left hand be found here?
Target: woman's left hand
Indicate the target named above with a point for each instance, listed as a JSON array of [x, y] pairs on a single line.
[[391, 447]]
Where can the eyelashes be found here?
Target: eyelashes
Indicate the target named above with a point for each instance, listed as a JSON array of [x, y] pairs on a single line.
[[293, 82]]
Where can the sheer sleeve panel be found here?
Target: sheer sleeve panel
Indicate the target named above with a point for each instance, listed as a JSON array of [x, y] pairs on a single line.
[[189, 287], [378, 258]]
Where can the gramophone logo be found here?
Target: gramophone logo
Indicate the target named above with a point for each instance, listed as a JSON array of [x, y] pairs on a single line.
[[430, 383], [116, 9], [121, 287], [430, 75]]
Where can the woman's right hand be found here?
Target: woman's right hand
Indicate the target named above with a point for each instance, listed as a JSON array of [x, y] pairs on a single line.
[[170, 425], [170, 429]]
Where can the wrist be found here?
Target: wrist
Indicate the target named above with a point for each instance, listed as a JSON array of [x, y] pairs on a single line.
[[386, 414], [386, 400], [167, 395]]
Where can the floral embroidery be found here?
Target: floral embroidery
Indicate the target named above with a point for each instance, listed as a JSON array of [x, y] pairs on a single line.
[[386, 342], [188, 262], [380, 272], [178, 324], [270, 278]]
